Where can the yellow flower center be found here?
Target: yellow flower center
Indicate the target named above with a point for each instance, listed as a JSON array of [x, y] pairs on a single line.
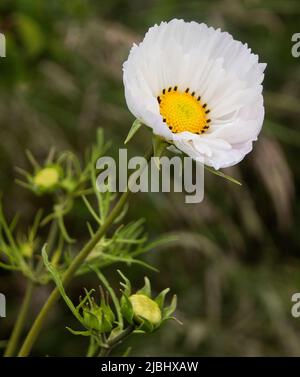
[[146, 308], [183, 111]]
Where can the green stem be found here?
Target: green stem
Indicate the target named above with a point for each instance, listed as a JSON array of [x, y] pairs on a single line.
[[70, 272], [17, 331], [92, 348], [116, 341]]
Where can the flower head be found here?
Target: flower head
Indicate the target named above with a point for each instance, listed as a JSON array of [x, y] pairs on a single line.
[[197, 88], [47, 178]]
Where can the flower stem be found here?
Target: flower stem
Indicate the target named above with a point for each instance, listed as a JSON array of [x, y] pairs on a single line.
[[93, 347], [116, 341], [69, 273], [17, 331]]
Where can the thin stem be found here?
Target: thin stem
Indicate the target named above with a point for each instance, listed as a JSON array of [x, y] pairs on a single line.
[[69, 273], [92, 347], [116, 341], [17, 331]]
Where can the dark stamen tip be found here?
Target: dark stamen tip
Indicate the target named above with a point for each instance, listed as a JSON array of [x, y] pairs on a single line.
[[193, 94], [175, 88], [169, 89], [164, 120], [187, 90], [204, 106], [164, 91], [199, 97]]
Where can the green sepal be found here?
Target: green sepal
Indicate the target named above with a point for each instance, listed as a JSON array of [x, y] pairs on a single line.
[[169, 310], [160, 299], [146, 325], [136, 125], [126, 309], [159, 146], [146, 290]]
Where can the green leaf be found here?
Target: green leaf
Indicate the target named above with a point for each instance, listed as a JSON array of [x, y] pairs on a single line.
[[64, 232], [82, 333], [136, 125], [91, 210], [129, 261], [220, 174], [56, 277], [126, 285]]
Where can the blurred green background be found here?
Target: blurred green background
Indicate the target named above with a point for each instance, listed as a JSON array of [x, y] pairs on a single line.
[[237, 260]]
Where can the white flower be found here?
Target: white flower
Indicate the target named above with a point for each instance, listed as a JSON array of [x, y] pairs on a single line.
[[197, 88]]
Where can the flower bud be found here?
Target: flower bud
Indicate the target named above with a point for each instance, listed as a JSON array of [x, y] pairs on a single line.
[[47, 178], [92, 319], [69, 184], [99, 318], [27, 249], [145, 308]]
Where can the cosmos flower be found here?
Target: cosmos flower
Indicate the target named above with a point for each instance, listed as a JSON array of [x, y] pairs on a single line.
[[198, 89]]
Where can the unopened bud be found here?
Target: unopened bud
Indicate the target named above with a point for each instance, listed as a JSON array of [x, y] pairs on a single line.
[[47, 178], [144, 307]]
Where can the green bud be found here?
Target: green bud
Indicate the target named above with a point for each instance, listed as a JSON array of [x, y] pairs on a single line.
[[99, 318], [47, 178], [68, 184], [27, 249], [145, 308]]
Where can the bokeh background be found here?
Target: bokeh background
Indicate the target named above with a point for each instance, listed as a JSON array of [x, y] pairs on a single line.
[[237, 263]]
